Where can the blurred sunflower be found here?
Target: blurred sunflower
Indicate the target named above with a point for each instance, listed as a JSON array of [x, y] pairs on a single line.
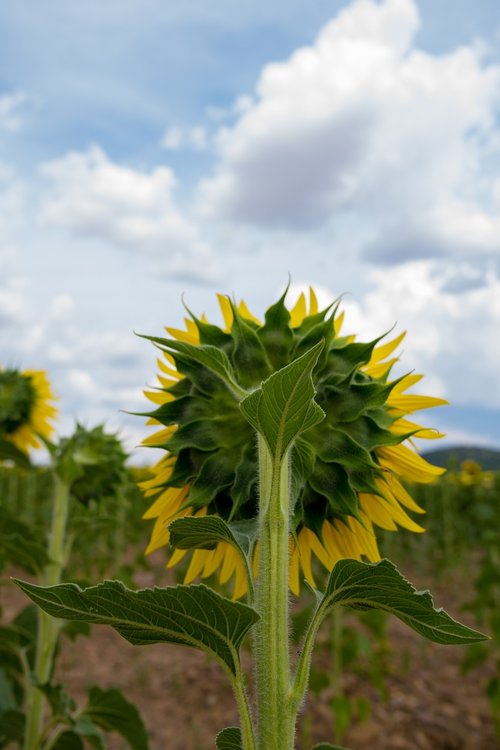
[[26, 408], [346, 471]]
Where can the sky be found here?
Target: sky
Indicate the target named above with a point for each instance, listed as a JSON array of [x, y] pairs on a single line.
[[152, 152]]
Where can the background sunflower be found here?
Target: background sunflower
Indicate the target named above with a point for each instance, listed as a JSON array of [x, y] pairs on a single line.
[[26, 408], [346, 471]]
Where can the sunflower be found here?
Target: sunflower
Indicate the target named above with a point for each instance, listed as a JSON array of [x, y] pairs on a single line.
[[347, 471], [26, 408]]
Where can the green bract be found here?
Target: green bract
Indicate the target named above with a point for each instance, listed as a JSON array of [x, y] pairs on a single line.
[[17, 396], [93, 462]]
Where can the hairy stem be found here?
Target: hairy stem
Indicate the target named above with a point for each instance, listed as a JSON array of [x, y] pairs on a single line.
[[48, 628], [275, 721]]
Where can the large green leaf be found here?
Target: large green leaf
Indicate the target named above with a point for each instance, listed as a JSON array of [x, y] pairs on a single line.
[[229, 739], [381, 586], [192, 616], [284, 407], [109, 710], [327, 746]]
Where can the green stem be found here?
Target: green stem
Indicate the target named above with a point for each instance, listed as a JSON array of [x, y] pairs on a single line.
[[336, 647], [246, 724], [48, 628], [275, 719]]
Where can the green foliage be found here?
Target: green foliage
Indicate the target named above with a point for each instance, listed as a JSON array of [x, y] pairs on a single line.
[[20, 545], [192, 616], [109, 710], [17, 396], [91, 462], [284, 407], [9, 452], [381, 586], [229, 739], [206, 532]]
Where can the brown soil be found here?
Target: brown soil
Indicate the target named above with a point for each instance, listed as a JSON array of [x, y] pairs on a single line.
[[185, 700]]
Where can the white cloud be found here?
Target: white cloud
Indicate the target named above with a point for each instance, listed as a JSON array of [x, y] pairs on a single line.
[[132, 210], [12, 306], [177, 138], [452, 335], [10, 117], [362, 124]]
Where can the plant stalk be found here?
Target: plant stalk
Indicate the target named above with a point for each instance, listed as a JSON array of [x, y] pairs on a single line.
[[48, 628], [275, 719]]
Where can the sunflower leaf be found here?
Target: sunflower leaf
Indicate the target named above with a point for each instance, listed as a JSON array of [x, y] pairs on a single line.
[[284, 407], [229, 739], [109, 710], [363, 586], [206, 531], [381, 586], [192, 616]]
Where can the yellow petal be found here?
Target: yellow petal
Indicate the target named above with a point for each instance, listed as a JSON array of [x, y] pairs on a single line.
[[180, 335], [158, 397], [227, 313], [383, 351], [213, 561], [313, 302], [406, 404], [365, 537], [176, 557], [404, 426], [337, 323], [298, 311], [407, 464], [161, 437], [305, 557], [373, 507], [229, 564], [400, 494], [407, 382], [294, 571], [198, 561], [379, 369], [240, 581], [245, 313]]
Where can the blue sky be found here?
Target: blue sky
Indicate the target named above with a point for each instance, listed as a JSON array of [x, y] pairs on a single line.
[[151, 149]]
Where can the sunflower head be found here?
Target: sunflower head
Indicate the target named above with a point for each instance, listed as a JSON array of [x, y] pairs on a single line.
[[346, 470], [26, 408], [92, 462]]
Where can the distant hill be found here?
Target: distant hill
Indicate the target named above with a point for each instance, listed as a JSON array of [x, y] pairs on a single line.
[[487, 458]]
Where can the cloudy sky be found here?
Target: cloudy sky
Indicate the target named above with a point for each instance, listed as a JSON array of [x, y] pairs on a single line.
[[152, 149]]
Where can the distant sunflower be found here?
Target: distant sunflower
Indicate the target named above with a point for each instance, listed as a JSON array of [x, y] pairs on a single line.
[[26, 408], [346, 471]]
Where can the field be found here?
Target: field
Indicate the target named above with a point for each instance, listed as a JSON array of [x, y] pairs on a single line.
[[374, 682]]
